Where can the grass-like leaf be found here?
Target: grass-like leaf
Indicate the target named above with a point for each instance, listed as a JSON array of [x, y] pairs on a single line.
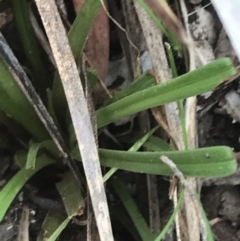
[[30, 45], [77, 37], [71, 195], [204, 162], [59, 229], [34, 149], [156, 144], [11, 189], [122, 216], [146, 80], [14, 103], [215, 161], [172, 218], [137, 145], [193, 83], [52, 222], [132, 209], [153, 143]]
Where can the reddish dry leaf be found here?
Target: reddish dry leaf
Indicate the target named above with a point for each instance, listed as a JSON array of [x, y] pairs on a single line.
[[97, 46], [161, 9]]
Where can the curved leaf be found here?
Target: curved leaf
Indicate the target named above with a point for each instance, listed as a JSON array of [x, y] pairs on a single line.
[[132, 209], [34, 149], [15, 104], [204, 162], [11, 189]]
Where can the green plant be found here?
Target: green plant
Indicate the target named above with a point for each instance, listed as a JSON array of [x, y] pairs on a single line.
[[141, 95]]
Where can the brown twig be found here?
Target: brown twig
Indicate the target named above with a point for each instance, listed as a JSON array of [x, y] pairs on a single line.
[[23, 233]]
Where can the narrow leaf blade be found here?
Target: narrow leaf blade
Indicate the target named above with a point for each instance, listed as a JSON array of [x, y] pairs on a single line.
[[193, 83], [11, 189]]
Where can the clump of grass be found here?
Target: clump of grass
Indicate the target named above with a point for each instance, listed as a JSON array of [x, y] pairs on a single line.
[[43, 149]]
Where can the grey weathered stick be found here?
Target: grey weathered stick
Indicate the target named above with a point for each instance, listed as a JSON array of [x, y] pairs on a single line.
[[79, 112], [155, 46], [191, 126], [191, 193]]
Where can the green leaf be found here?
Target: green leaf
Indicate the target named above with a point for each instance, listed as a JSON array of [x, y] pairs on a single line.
[[11, 189], [86, 15], [14, 103], [77, 37], [30, 45], [51, 224], [53, 114], [216, 161], [146, 80], [153, 143], [210, 235], [132, 209], [58, 231], [180, 102], [193, 83], [92, 77], [157, 144], [122, 216], [172, 218], [34, 149], [71, 195], [134, 148]]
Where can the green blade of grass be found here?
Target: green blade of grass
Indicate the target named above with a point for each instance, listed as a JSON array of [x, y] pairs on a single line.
[[132, 209], [153, 143], [30, 45], [14, 103], [134, 148], [204, 162], [58, 231], [11, 189], [77, 37], [53, 114], [157, 144], [172, 218], [216, 161], [87, 14], [34, 149], [180, 102], [128, 202], [71, 195], [122, 216], [51, 223], [193, 83], [146, 80], [210, 236]]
